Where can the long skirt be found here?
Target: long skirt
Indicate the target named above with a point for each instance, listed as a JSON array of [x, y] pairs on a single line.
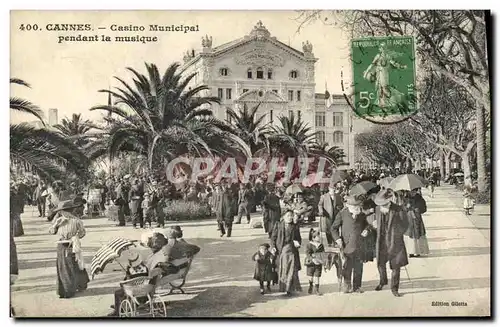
[[17, 225], [70, 278], [418, 246], [288, 273]]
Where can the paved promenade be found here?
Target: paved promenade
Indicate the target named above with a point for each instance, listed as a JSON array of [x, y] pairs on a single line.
[[220, 281]]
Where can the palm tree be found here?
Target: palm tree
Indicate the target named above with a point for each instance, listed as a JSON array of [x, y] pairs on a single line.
[[162, 120], [45, 152], [292, 137], [22, 105], [333, 154], [75, 128], [249, 128]]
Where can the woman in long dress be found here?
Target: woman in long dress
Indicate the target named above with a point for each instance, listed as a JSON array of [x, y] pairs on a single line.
[[285, 243], [71, 274], [415, 237], [16, 205]]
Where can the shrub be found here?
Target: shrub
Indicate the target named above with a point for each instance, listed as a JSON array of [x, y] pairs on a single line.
[[178, 210], [482, 197]]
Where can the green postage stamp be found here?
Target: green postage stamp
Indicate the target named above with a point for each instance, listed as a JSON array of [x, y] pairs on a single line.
[[384, 77]]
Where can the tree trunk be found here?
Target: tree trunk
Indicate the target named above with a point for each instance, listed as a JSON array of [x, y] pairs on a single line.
[[448, 163], [441, 164], [466, 169], [482, 180]]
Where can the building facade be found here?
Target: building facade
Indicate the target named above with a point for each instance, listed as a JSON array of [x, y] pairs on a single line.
[[259, 69]]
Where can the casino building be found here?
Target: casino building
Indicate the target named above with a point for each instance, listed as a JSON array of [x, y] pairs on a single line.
[[258, 68]]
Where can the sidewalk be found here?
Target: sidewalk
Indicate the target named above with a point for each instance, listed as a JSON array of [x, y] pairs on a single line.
[[220, 282]]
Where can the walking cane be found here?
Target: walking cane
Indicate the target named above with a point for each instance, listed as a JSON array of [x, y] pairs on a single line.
[[407, 275]]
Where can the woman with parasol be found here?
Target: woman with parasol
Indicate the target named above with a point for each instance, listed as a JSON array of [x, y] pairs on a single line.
[[71, 274]]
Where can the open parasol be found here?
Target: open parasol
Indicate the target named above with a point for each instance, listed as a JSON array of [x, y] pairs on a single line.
[[406, 182], [458, 174], [294, 189], [108, 253], [362, 188]]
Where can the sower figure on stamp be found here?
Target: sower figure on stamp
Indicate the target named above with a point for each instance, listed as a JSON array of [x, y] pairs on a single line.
[[391, 223], [354, 228]]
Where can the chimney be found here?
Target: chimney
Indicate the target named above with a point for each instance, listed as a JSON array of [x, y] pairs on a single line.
[[53, 117]]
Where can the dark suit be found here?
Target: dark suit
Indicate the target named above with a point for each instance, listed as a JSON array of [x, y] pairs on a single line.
[[135, 199], [40, 200], [224, 212], [328, 208], [244, 204], [271, 212], [353, 244], [390, 243]]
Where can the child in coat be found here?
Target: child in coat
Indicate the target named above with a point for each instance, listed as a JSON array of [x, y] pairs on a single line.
[[147, 209], [468, 201], [314, 260], [263, 267]]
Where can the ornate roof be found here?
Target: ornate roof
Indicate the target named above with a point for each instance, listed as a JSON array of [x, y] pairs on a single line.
[[258, 33]]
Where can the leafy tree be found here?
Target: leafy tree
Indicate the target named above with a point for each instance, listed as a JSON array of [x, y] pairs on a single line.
[[451, 43]]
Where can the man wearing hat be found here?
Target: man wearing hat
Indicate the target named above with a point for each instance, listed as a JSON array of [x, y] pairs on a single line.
[[354, 228], [329, 206], [272, 209], [391, 223], [224, 211]]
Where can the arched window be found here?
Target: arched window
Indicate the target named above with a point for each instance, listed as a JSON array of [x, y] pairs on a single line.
[[224, 72], [294, 74], [269, 73], [260, 73], [320, 137], [338, 137], [249, 73]]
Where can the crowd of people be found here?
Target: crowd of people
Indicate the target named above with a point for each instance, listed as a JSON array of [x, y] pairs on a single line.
[[380, 224]]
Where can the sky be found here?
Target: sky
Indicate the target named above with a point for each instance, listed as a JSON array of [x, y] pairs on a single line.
[[68, 75]]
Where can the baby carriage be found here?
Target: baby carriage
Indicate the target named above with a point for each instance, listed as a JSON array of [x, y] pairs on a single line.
[[147, 298]]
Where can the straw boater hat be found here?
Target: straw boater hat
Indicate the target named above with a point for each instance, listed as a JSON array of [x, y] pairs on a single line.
[[70, 204], [134, 259], [383, 197], [353, 200], [264, 245]]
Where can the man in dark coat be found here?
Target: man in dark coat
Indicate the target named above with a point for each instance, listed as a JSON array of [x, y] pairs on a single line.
[[391, 223], [271, 209], [354, 228], [244, 197], [40, 197], [329, 206], [135, 198], [223, 211]]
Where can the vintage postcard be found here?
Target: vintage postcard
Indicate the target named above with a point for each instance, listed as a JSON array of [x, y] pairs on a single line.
[[250, 164]]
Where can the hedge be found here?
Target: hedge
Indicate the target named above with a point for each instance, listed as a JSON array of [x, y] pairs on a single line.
[[180, 210]]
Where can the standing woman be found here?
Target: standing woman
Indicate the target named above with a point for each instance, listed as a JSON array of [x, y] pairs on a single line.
[[16, 206], [285, 243], [271, 209], [415, 238], [71, 274]]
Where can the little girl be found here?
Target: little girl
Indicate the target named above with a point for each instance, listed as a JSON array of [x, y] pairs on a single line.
[[313, 261], [263, 267], [468, 201]]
